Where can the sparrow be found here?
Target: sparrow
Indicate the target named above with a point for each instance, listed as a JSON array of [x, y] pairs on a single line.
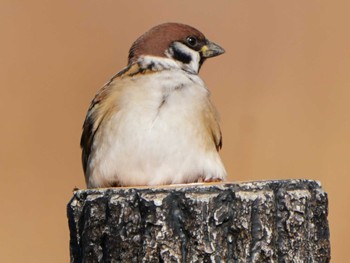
[[153, 123]]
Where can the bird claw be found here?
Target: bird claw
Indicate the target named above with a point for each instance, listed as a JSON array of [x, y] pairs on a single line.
[[209, 180]]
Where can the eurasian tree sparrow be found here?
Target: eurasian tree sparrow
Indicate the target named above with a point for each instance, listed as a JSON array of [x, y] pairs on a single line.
[[153, 123]]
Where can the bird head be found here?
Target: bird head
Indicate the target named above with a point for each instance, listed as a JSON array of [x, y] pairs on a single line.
[[187, 46]]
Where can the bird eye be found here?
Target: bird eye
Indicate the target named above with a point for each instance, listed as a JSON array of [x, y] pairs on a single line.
[[191, 40]]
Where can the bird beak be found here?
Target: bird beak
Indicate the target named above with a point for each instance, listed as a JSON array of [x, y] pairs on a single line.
[[211, 50]]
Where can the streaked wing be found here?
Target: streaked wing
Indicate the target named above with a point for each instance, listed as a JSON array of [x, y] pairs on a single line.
[[99, 109], [213, 123]]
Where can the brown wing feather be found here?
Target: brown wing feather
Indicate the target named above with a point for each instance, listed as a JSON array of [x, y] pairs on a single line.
[[97, 112], [217, 136], [218, 142], [214, 127], [91, 125]]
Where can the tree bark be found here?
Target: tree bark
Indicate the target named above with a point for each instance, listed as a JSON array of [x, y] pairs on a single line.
[[267, 221]]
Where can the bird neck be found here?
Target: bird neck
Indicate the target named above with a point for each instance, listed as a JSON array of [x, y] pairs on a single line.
[[154, 63]]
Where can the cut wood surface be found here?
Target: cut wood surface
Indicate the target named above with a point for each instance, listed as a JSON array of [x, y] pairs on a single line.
[[264, 221]]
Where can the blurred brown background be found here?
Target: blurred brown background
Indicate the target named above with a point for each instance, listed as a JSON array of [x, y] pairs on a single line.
[[282, 89]]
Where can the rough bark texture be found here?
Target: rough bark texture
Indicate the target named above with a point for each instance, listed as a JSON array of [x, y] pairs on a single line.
[[268, 221]]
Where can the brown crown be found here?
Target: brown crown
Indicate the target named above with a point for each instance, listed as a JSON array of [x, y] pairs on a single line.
[[158, 39]]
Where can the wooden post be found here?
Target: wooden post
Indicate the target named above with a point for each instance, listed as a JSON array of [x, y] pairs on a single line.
[[267, 221]]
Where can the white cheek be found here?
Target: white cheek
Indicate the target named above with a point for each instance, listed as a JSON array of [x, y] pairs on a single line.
[[191, 67], [194, 65]]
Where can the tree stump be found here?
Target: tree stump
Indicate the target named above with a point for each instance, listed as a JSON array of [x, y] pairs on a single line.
[[267, 221]]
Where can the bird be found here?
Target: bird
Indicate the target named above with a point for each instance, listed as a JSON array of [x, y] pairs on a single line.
[[154, 123]]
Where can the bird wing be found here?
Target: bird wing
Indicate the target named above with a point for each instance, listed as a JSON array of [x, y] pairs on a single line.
[[215, 127], [99, 109]]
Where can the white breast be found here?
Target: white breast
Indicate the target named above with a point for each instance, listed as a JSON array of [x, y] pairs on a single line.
[[158, 135]]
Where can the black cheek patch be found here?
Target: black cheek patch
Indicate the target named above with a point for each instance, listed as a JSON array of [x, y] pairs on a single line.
[[181, 56]]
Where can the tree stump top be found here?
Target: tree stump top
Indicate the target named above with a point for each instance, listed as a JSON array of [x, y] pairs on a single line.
[[262, 221]]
